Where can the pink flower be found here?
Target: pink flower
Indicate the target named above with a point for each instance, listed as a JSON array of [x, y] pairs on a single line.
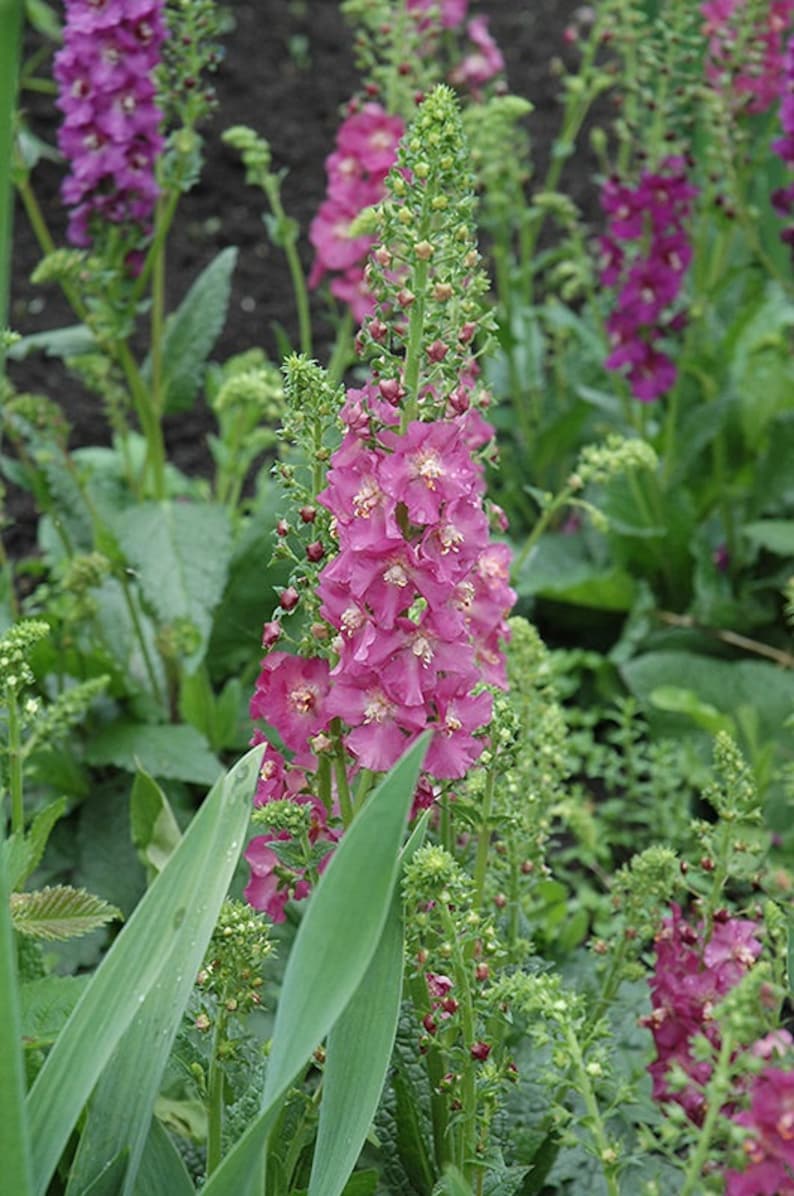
[[452, 12], [428, 466], [290, 695], [770, 1146], [484, 62]]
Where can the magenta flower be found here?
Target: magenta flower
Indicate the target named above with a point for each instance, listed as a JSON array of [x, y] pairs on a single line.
[[452, 12], [783, 197], [770, 1145], [110, 132], [746, 56], [690, 978], [653, 215]]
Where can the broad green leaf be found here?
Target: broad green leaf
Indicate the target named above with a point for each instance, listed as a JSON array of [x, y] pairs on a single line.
[[15, 1142], [46, 1005], [684, 701], [162, 1169], [176, 752], [155, 831], [559, 568], [776, 535], [357, 1058], [180, 552], [161, 942], [453, 1184], [333, 948], [192, 330], [59, 912], [726, 685]]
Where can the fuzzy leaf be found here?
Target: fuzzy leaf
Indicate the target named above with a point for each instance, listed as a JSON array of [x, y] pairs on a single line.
[[193, 329], [178, 753], [59, 912], [180, 552], [46, 1005]]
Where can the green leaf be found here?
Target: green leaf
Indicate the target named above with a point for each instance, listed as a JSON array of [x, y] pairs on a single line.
[[160, 947], [155, 831], [59, 912], [162, 1169], [776, 535], [684, 701], [180, 552], [176, 752], [24, 851], [15, 1141], [192, 330], [559, 568], [333, 948], [56, 342], [46, 1005], [727, 685], [357, 1058]]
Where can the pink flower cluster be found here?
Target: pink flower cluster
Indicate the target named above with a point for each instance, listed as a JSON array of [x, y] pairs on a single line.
[[482, 63], [417, 596], [770, 1144], [745, 52], [110, 133], [783, 198], [645, 253], [417, 593], [690, 978], [366, 147]]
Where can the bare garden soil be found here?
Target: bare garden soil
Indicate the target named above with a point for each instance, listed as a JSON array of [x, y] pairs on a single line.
[[287, 70]]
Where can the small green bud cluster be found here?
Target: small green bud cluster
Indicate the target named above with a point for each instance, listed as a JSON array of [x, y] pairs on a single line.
[[16, 649], [30, 418], [396, 56], [56, 719], [179, 639], [231, 971], [641, 894], [62, 266], [310, 425], [599, 463], [254, 151], [427, 267], [8, 338], [500, 154], [289, 816], [190, 51], [85, 571]]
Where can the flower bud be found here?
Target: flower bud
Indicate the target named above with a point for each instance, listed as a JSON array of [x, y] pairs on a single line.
[[289, 598]]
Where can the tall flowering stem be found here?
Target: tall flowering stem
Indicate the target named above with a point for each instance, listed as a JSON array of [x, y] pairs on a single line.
[[403, 591], [10, 28]]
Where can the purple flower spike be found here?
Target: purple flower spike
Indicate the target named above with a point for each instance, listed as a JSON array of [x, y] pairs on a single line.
[[646, 253], [110, 132]]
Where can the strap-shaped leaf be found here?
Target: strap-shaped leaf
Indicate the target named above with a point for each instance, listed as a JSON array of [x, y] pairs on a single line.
[[162, 1169], [15, 1150], [358, 1053], [333, 948], [159, 939], [357, 1058], [59, 912]]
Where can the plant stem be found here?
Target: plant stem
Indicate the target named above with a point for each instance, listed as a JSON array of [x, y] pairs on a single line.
[[468, 1116], [15, 763], [288, 244], [10, 37], [585, 1087], [215, 1095], [717, 1090], [147, 660], [157, 321], [436, 1068], [484, 840], [340, 354], [340, 771]]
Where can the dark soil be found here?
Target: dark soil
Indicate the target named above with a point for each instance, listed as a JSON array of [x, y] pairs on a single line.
[[288, 68]]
